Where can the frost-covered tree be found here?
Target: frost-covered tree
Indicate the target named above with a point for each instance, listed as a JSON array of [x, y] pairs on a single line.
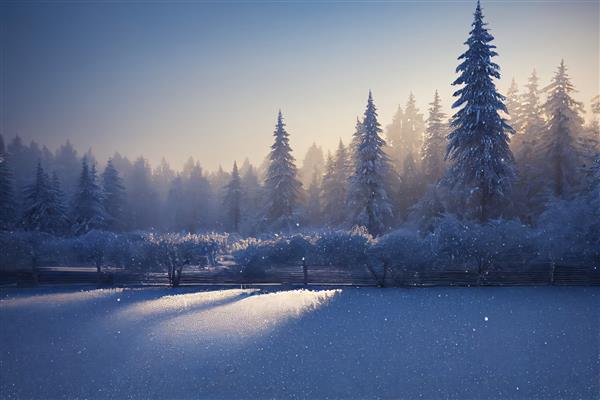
[[43, 212], [482, 168], [142, 207], [198, 201], [558, 145], [335, 186], [162, 176], [434, 144], [113, 197], [531, 122], [413, 129], [61, 221], [88, 209], [8, 207], [314, 160], [513, 106], [393, 134], [233, 200], [411, 187], [67, 164], [252, 193], [528, 192], [281, 183], [368, 198], [313, 200]]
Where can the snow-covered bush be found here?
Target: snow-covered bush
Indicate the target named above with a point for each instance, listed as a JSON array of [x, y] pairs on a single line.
[[21, 250], [340, 248], [279, 251], [569, 231], [403, 248], [470, 245]]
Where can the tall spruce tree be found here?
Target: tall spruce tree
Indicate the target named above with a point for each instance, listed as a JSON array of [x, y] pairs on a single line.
[[42, 212], [513, 106], [482, 163], [8, 207], [393, 134], [233, 200], [281, 183], [413, 129], [559, 143], [313, 200], [61, 219], [88, 210], [434, 144], [335, 186], [531, 122], [368, 192], [113, 198], [528, 191]]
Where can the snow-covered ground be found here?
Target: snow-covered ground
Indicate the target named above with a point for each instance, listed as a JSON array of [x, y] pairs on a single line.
[[475, 343]]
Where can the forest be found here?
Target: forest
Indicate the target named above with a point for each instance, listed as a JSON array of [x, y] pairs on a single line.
[[504, 177]]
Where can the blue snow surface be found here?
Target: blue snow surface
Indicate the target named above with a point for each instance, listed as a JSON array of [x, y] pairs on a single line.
[[461, 343]]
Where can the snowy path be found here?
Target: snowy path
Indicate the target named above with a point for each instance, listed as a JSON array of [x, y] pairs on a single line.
[[538, 342]]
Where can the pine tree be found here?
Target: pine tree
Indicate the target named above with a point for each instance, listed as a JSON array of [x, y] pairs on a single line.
[[281, 184], [528, 192], [413, 129], [513, 106], [595, 122], [88, 210], [393, 133], [335, 186], [368, 193], [559, 143], [142, 199], [42, 212], [314, 160], [252, 193], [434, 144], [233, 200], [313, 202], [113, 197], [411, 187], [531, 123], [7, 199], [60, 220], [356, 139], [478, 146]]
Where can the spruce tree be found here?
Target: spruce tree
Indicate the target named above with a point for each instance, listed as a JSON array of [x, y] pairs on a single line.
[[335, 186], [413, 129], [7, 199], [42, 212], [233, 200], [528, 187], [434, 144], [313, 200], [113, 197], [559, 144], [368, 193], [513, 106], [482, 168], [60, 218], [393, 134], [281, 183], [88, 210], [531, 122]]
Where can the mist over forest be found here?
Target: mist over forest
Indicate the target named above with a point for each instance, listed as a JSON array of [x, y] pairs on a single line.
[[526, 161]]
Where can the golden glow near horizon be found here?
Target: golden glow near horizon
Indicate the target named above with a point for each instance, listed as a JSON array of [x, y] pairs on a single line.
[[206, 80]]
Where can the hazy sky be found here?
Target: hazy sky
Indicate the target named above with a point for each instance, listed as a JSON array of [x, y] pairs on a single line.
[[206, 78]]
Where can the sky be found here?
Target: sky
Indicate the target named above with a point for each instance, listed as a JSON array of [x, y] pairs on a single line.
[[206, 79]]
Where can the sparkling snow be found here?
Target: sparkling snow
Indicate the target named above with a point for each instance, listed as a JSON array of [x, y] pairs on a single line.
[[259, 343]]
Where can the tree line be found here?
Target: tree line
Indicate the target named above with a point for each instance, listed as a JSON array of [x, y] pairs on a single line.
[[497, 157]]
